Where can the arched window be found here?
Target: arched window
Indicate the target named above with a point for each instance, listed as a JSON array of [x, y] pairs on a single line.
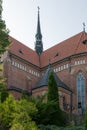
[[81, 93]]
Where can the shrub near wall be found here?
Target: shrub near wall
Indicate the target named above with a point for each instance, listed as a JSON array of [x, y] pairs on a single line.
[[73, 128], [53, 127]]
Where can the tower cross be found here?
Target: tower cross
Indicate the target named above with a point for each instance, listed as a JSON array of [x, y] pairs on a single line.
[[38, 8], [84, 27]]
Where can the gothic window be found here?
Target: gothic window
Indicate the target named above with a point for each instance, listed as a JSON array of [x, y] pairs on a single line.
[[81, 93]]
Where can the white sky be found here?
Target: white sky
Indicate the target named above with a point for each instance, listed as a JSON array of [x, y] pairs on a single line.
[[60, 19]]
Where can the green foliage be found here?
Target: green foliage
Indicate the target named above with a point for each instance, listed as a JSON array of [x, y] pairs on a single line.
[[54, 127], [48, 127], [14, 114], [23, 95], [52, 89], [0, 8], [73, 128], [4, 38], [54, 114], [48, 112], [3, 91], [86, 120], [17, 126], [24, 121], [4, 42]]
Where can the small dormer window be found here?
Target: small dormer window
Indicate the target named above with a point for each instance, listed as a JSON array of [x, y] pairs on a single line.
[[57, 54], [20, 51], [85, 42]]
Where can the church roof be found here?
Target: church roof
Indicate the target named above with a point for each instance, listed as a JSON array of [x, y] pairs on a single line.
[[69, 47], [44, 80], [13, 88], [24, 52]]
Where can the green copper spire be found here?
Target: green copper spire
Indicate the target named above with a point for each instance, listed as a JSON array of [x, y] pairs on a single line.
[[38, 36]]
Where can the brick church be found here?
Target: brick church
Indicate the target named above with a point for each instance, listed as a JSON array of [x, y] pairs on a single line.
[[28, 70]]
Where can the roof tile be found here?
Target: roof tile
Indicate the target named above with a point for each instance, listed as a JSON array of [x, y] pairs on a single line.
[[65, 49], [23, 52], [69, 47]]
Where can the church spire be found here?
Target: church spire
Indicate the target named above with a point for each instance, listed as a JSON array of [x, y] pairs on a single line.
[[38, 36]]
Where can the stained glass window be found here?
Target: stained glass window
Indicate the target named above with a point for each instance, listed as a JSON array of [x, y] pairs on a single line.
[[81, 93]]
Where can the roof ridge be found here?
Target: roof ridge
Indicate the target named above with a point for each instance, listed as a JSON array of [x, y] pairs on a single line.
[[64, 40], [11, 38]]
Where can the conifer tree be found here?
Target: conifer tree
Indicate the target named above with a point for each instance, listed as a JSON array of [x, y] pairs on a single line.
[[54, 114], [52, 89], [4, 42], [4, 37]]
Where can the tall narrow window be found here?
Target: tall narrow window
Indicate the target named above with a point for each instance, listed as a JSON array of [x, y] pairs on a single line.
[[81, 93]]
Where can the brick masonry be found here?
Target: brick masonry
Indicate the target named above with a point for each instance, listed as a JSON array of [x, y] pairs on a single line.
[[23, 71]]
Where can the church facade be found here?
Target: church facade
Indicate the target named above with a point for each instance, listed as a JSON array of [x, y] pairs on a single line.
[[28, 70]]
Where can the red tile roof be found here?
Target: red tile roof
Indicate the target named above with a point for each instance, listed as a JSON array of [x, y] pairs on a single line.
[[64, 49], [58, 52], [23, 52]]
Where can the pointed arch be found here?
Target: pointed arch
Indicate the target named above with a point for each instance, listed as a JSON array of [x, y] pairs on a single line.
[[81, 93]]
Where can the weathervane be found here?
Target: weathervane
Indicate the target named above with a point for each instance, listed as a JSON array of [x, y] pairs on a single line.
[[84, 26]]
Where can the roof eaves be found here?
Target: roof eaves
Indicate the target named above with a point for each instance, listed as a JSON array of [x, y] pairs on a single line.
[[11, 88]]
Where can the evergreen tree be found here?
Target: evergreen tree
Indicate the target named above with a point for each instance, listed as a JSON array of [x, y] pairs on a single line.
[[3, 91], [86, 120], [52, 89], [4, 42], [4, 37], [54, 114], [0, 8], [23, 95]]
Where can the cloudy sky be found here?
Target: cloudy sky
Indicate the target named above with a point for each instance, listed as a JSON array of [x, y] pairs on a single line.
[[60, 19]]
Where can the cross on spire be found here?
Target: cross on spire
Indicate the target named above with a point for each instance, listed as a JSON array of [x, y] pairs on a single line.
[[84, 26], [38, 8]]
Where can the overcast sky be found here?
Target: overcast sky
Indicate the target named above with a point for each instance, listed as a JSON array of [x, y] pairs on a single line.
[[60, 19]]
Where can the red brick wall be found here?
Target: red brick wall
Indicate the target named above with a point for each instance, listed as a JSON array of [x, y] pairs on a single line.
[[68, 76], [27, 79], [24, 78]]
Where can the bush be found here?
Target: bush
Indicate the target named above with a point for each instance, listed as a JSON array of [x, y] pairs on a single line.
[[16, 114], [53, 127], [48, 113], [86, 121], [48, 127]]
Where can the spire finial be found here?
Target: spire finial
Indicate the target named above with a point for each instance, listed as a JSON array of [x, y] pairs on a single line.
[[38, 8], [38, 36], [84, 26]]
